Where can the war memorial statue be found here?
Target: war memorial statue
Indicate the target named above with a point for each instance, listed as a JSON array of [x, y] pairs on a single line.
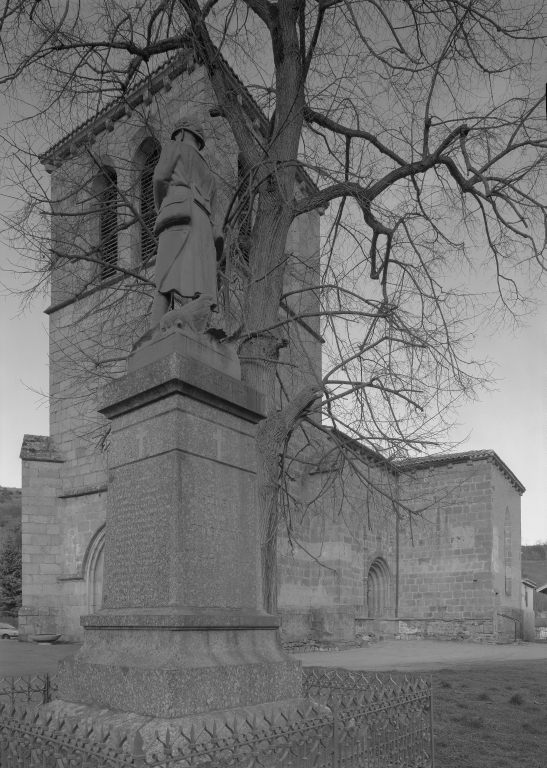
[[190, 241], [181, 631]]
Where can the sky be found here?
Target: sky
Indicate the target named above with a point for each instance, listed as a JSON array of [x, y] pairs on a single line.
[[23, 369], [512, 419]]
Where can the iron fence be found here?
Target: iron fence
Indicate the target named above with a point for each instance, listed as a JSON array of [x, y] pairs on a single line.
[[37, 689], [398, 713], [349, 721]]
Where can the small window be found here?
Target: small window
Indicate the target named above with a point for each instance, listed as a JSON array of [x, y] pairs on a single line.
[[108, 226], [147, 206]]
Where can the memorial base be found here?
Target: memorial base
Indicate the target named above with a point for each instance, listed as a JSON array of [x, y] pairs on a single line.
[[166, 665], [181, 632]]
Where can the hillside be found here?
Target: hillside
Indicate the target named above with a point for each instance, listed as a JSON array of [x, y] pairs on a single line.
[[10, 512]]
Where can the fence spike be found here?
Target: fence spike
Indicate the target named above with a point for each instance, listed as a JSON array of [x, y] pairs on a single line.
[[137, 745]]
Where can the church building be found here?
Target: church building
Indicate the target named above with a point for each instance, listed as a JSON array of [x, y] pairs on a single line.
[[355, 564]]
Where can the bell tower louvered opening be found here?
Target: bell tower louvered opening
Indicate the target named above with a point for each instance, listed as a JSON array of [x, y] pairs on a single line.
[[147, 206], [108, 227]]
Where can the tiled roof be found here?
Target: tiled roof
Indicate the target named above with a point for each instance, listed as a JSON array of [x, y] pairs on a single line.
[[458, 458], [118, 106], [368, 455], [399, 466], [146, 87]]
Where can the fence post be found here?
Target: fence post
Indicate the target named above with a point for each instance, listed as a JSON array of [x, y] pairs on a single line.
[[335, 743], [46, 689], [431, 736]]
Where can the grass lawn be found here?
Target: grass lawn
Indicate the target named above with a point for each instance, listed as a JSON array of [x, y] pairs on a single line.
[[491, 716]]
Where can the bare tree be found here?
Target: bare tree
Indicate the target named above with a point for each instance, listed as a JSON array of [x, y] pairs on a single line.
[[420, 125]]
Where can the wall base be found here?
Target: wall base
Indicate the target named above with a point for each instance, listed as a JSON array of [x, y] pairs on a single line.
[[325, 623], [478, 630], [36, 620]]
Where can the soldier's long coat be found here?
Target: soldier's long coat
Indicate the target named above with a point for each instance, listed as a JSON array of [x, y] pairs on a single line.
[[185, 197]]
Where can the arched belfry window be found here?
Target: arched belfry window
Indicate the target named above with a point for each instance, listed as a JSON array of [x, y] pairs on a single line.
[[377, 588], [108, 221], [147, 208]]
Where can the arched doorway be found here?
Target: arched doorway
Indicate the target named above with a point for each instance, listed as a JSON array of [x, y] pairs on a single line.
[[378, 581], [94, 571]]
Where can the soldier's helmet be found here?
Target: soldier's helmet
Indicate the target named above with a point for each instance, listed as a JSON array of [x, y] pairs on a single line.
[[193, 125]]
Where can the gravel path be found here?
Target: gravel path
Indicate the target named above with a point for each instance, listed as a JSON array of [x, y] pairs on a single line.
[[28, 658], [425, 655]]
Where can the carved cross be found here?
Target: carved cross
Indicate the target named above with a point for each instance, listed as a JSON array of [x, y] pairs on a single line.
[[219, 436]]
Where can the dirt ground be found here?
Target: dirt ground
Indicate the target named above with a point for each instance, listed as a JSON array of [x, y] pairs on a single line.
[[30, 658]]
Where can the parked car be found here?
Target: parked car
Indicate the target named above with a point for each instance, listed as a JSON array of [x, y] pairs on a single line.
[[7, 631]]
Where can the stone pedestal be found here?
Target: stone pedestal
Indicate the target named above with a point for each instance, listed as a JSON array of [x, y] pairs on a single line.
[[181, 631]]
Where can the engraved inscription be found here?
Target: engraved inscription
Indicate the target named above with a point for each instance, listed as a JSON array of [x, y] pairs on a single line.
[[218, 526]]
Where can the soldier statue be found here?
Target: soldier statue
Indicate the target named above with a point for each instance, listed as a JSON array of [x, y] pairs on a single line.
[[190, 243]]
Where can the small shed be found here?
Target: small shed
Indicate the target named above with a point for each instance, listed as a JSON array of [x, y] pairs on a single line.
[[541, 616], [527, 604]]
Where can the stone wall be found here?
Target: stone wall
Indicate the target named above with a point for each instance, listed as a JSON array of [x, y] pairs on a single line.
[[42, 550], [464, 629], [460, 560], [458, 564], [345, 526]]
